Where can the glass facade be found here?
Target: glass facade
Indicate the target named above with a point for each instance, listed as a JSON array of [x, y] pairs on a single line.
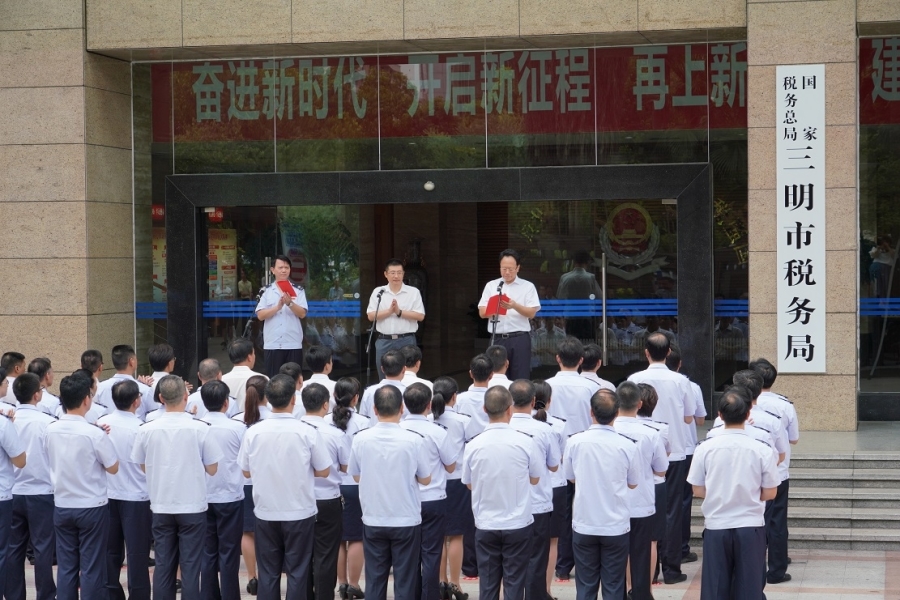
[[496, 109]]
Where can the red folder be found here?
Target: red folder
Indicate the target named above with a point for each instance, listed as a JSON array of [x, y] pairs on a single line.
[[493, 305], [287, 288]]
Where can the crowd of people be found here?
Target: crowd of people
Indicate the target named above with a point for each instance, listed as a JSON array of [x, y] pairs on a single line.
[[515, 482]]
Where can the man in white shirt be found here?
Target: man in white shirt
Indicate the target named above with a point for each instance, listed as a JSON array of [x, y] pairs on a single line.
[[593, 360], [500, 465], [280, 313], [243, 357], [413, 357], [604, 465], [320, 359], [675, 408], [125, 363], [12, 454], [471, 402], [14, 363], [735, 475], [393, 366], [80, 455], [396, 310], [500, 366], [208, 370], [44, 370], [177, 448], [389, 463], [512, 329], [129, 502]]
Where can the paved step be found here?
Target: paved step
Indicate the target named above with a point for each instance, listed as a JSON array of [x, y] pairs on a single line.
[[846, 460], [832, 517], [833, 538], [845, 478]]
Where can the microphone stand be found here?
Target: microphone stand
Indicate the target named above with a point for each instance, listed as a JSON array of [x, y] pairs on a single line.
[[496, 316], [371, 335]]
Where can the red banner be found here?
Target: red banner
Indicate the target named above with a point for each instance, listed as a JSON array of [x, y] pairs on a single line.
[[879, 81]]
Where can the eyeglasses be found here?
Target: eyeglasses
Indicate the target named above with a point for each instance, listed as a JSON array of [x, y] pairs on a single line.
[[508, 269]]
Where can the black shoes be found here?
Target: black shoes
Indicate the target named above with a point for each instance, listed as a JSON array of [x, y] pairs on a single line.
[[252, 586], [354, 593], [563, 577], [342, 591], [455, 593], [177, 586], [774, 581], [689, 557], [677, 579]]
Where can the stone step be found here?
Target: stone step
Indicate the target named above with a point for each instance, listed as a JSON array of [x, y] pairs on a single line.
[[832, 497], [846, 460], [833, 538], [845, 478], [832, 517]]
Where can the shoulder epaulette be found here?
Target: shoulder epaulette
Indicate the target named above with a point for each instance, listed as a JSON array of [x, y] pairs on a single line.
[[524, 433], [717, 426], [335, 426], [576, 433], [308, 424], [627, 437], [465, 414], [547, 423], [202, 421], [650, 427], [773, 414], [766, 444], [473, 437], [560, 418], [761, 428], [441, 425], [417, 433], [358, 431]]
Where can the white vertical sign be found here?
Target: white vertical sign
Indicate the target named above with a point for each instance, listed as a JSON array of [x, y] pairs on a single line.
[[800, 198]]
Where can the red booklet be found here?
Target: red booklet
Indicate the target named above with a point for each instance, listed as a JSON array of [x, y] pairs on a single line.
[[493, 305], [287, 288]]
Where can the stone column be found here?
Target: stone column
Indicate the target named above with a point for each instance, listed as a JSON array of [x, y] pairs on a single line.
[[65, 188], [807, 32]]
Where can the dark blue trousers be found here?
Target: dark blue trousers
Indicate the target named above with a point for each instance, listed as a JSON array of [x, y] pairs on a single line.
[[777, 532], [639, 553], [503, 557], [565, 561], [397, 547], [82, 536], [329, 530], [687, 502], [600, 558], [6, 508], [536, 580], [32, 520], [129, 535], [222, 552], [670, 547], [434, 517], [734, 563], [284, 546], [518, 351], [178, 540]]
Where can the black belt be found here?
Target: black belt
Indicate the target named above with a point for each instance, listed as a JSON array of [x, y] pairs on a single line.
[[394, 336], [511, 335]]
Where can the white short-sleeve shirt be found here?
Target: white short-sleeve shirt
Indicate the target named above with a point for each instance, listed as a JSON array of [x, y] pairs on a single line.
[[367, 404], [338, 446], [408, 298], [652, 458], [236, 380], [439, 449], [227, 485], [356, 423], [784, 408], [10, 447], [572, 400], [471, 404], [548, 449], [676, 401], [31, 425], [79, 454], [130, 483], [699, 411], [283, 330], [457, 425], [520, 291]]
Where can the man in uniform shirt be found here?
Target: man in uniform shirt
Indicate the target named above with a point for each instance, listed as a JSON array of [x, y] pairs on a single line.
[[177, 448], [413, 357], [208, 370], [776, 510], [389, 462], [12, 454], [243, 357], [735, 475], [125, 363], [14, 363], [441, 455], [280, 313], [513, 329], [33, 510], [129, 502], [225, 496], [393, 366], [92, 360], [80, 455], [593, 360], [500, 364], [471, 402], [641, 500], [675, 408], [44, 370], [320, 359], [395, 309], [498, 466]]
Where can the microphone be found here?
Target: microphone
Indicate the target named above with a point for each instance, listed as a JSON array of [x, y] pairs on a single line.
[[380, 293], [500, 287]]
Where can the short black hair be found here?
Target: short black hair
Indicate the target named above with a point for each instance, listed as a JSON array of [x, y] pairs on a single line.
[[283, 258], [160, 355], [570, 351], [734, 405], [25, 387], [481, 367], [657, 346], [499, 357], [673, 360], [416, 398], [40, 366], [239, 350], [11, 360], [605, 406], [593, 354], [497, 400], [392, 363], [279, 390], [394, 262], [318, 357], [649, 398], [292, 370], [91, 360], [512, 254], [214, 395], [522, 392], [124, 393], [314, 396], [73, 389], [751, 380], [388, 400], [121, 354], [411, 354], [629, 395], [767, 370], [581, 257]]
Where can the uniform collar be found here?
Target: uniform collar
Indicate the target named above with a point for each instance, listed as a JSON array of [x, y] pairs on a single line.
[[562, 373], [319, 377], [660, 365], [240, 368], [281, 415], [122, 376], [125, 414], [603, 427], [626, 420], [416, 418], [71, 417], [497, 426], [28, 407], [315, 418], [522, 416], [164, 414], [217, 416], [387, 424]]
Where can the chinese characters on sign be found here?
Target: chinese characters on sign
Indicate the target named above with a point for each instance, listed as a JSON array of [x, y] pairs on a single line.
[[800, 197], [879, 81]]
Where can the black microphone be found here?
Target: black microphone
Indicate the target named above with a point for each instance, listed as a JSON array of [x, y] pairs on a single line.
[[500, 287], [380, 292]]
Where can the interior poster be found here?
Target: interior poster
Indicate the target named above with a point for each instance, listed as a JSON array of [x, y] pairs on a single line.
[[159, 264], [222, 264]]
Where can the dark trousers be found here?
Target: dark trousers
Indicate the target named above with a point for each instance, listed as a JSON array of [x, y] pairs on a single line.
[[639, 553], [536, 579], [82, 535], [6, 508], [178, 540], [283, 546], [734, 563], [385, 547], [503, 557], [470, 560], [434, 517], [687, 502], [329, 528], [32, 520], [777, 531], [518, 351], [670, 547], [565, 560], [275, 358], [600, 558], [383, 345], [219, 577], [129, 531]]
